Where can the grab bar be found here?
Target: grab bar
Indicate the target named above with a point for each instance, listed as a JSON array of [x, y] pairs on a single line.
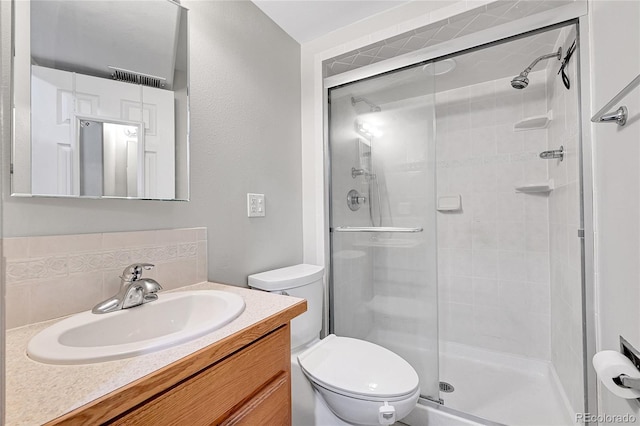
[[620, 115], [374, 229]]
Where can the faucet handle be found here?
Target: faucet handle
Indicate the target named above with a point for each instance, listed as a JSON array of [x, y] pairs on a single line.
[[134, 272]]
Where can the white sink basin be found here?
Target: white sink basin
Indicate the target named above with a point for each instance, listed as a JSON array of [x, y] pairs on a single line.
[[172, 319]]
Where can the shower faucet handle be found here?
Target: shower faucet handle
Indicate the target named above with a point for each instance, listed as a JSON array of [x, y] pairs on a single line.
[[355, 200]]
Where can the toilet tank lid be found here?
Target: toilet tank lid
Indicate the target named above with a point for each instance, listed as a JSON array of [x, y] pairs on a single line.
[[286, 278]]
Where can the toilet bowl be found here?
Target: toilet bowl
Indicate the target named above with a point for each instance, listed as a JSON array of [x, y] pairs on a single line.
[[362, 383], [338, 380]]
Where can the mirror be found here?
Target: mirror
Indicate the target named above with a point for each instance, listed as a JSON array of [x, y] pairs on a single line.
[[110, 158], [100, 99]]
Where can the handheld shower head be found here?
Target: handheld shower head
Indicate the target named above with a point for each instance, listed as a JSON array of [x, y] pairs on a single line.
[[521, 81]]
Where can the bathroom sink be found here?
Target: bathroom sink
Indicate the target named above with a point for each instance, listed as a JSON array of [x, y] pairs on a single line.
[[172, 319]]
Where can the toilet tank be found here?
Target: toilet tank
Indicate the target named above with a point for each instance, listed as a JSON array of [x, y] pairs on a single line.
[[303, 281]]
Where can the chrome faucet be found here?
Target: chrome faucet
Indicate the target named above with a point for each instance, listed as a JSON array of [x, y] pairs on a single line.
[[134, 290]]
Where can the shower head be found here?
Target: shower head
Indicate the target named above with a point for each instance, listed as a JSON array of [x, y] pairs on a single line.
[[521, 81], [373, 107]]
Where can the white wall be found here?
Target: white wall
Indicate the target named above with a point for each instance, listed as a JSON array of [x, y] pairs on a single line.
[[615, 61], [245, 137]]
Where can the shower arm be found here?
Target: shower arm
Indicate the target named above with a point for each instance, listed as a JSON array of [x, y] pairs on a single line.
[[373, 107], [527, 70]]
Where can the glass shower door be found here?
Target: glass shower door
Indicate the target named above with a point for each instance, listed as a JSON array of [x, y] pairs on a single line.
[[383, 223]]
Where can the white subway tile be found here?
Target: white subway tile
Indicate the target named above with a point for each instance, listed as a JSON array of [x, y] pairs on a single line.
[[512, 266], [486, 292], [63, 296], [63, 244], [483, 141], [485, 263], [511, 236], [537, 236], [484, 235], [15, 248], [510, 205], [508, 141]]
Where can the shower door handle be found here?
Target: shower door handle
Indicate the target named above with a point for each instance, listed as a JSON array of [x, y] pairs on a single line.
[[375, 229]]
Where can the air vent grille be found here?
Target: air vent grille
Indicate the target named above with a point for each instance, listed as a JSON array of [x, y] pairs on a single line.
[[137, 78]]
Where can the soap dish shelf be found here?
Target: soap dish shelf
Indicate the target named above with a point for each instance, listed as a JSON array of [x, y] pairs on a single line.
[[536, 188], [534, 123]]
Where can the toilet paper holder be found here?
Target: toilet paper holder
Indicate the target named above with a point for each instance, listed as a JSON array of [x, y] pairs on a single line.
[[632, 353]]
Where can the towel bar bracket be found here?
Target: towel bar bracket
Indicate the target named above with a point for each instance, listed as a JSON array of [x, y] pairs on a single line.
[[619, 116]]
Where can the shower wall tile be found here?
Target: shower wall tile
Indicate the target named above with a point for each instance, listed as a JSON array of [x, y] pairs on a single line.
[[493, 269]]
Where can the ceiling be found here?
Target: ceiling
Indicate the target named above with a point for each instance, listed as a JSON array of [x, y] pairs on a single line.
[[305, 20], [474, 20], [90, 36]]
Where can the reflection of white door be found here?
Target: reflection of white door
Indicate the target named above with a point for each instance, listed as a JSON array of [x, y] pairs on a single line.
[[59, 96], [154, 107], [159, 146], [111, 96], [52, 142]]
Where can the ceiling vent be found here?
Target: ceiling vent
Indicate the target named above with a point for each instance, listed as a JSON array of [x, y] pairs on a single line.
[[137, 77]]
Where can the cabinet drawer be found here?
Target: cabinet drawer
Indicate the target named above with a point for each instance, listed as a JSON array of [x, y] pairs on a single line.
[[271, 406], [211, 395]]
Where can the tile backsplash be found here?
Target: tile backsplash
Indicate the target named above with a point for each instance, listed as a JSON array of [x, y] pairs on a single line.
[[53, 276]]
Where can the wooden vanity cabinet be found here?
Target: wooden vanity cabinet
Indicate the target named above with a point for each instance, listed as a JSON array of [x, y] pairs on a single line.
[[244, 379], [251, 386]]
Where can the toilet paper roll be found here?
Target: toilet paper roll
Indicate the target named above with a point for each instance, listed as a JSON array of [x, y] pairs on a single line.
[[611, 364]]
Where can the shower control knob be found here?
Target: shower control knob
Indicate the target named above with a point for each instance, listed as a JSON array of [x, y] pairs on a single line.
[[355, 200]]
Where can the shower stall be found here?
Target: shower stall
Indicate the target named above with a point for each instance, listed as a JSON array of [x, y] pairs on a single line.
[[454, 208]]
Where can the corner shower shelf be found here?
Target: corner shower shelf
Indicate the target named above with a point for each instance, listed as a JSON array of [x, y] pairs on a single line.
[[534, 123], [537, 187]]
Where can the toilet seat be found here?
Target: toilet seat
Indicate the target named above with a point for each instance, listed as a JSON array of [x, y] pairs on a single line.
[[358, 369]]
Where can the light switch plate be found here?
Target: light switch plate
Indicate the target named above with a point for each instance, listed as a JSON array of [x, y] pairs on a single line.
[[255, 205]]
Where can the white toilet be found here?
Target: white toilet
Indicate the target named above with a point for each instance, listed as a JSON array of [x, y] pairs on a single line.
[[337, 380]]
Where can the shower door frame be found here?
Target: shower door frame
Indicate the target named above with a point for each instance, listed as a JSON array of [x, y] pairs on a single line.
[[573, 14]]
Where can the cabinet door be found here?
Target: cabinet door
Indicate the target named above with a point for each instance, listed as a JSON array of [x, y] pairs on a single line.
[[215, 393], [271, 406]]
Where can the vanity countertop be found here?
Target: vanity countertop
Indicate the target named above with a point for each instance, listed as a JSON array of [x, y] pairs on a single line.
[[37, 393]]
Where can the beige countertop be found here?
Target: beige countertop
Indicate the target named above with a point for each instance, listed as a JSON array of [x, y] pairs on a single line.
[[37, 393]]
